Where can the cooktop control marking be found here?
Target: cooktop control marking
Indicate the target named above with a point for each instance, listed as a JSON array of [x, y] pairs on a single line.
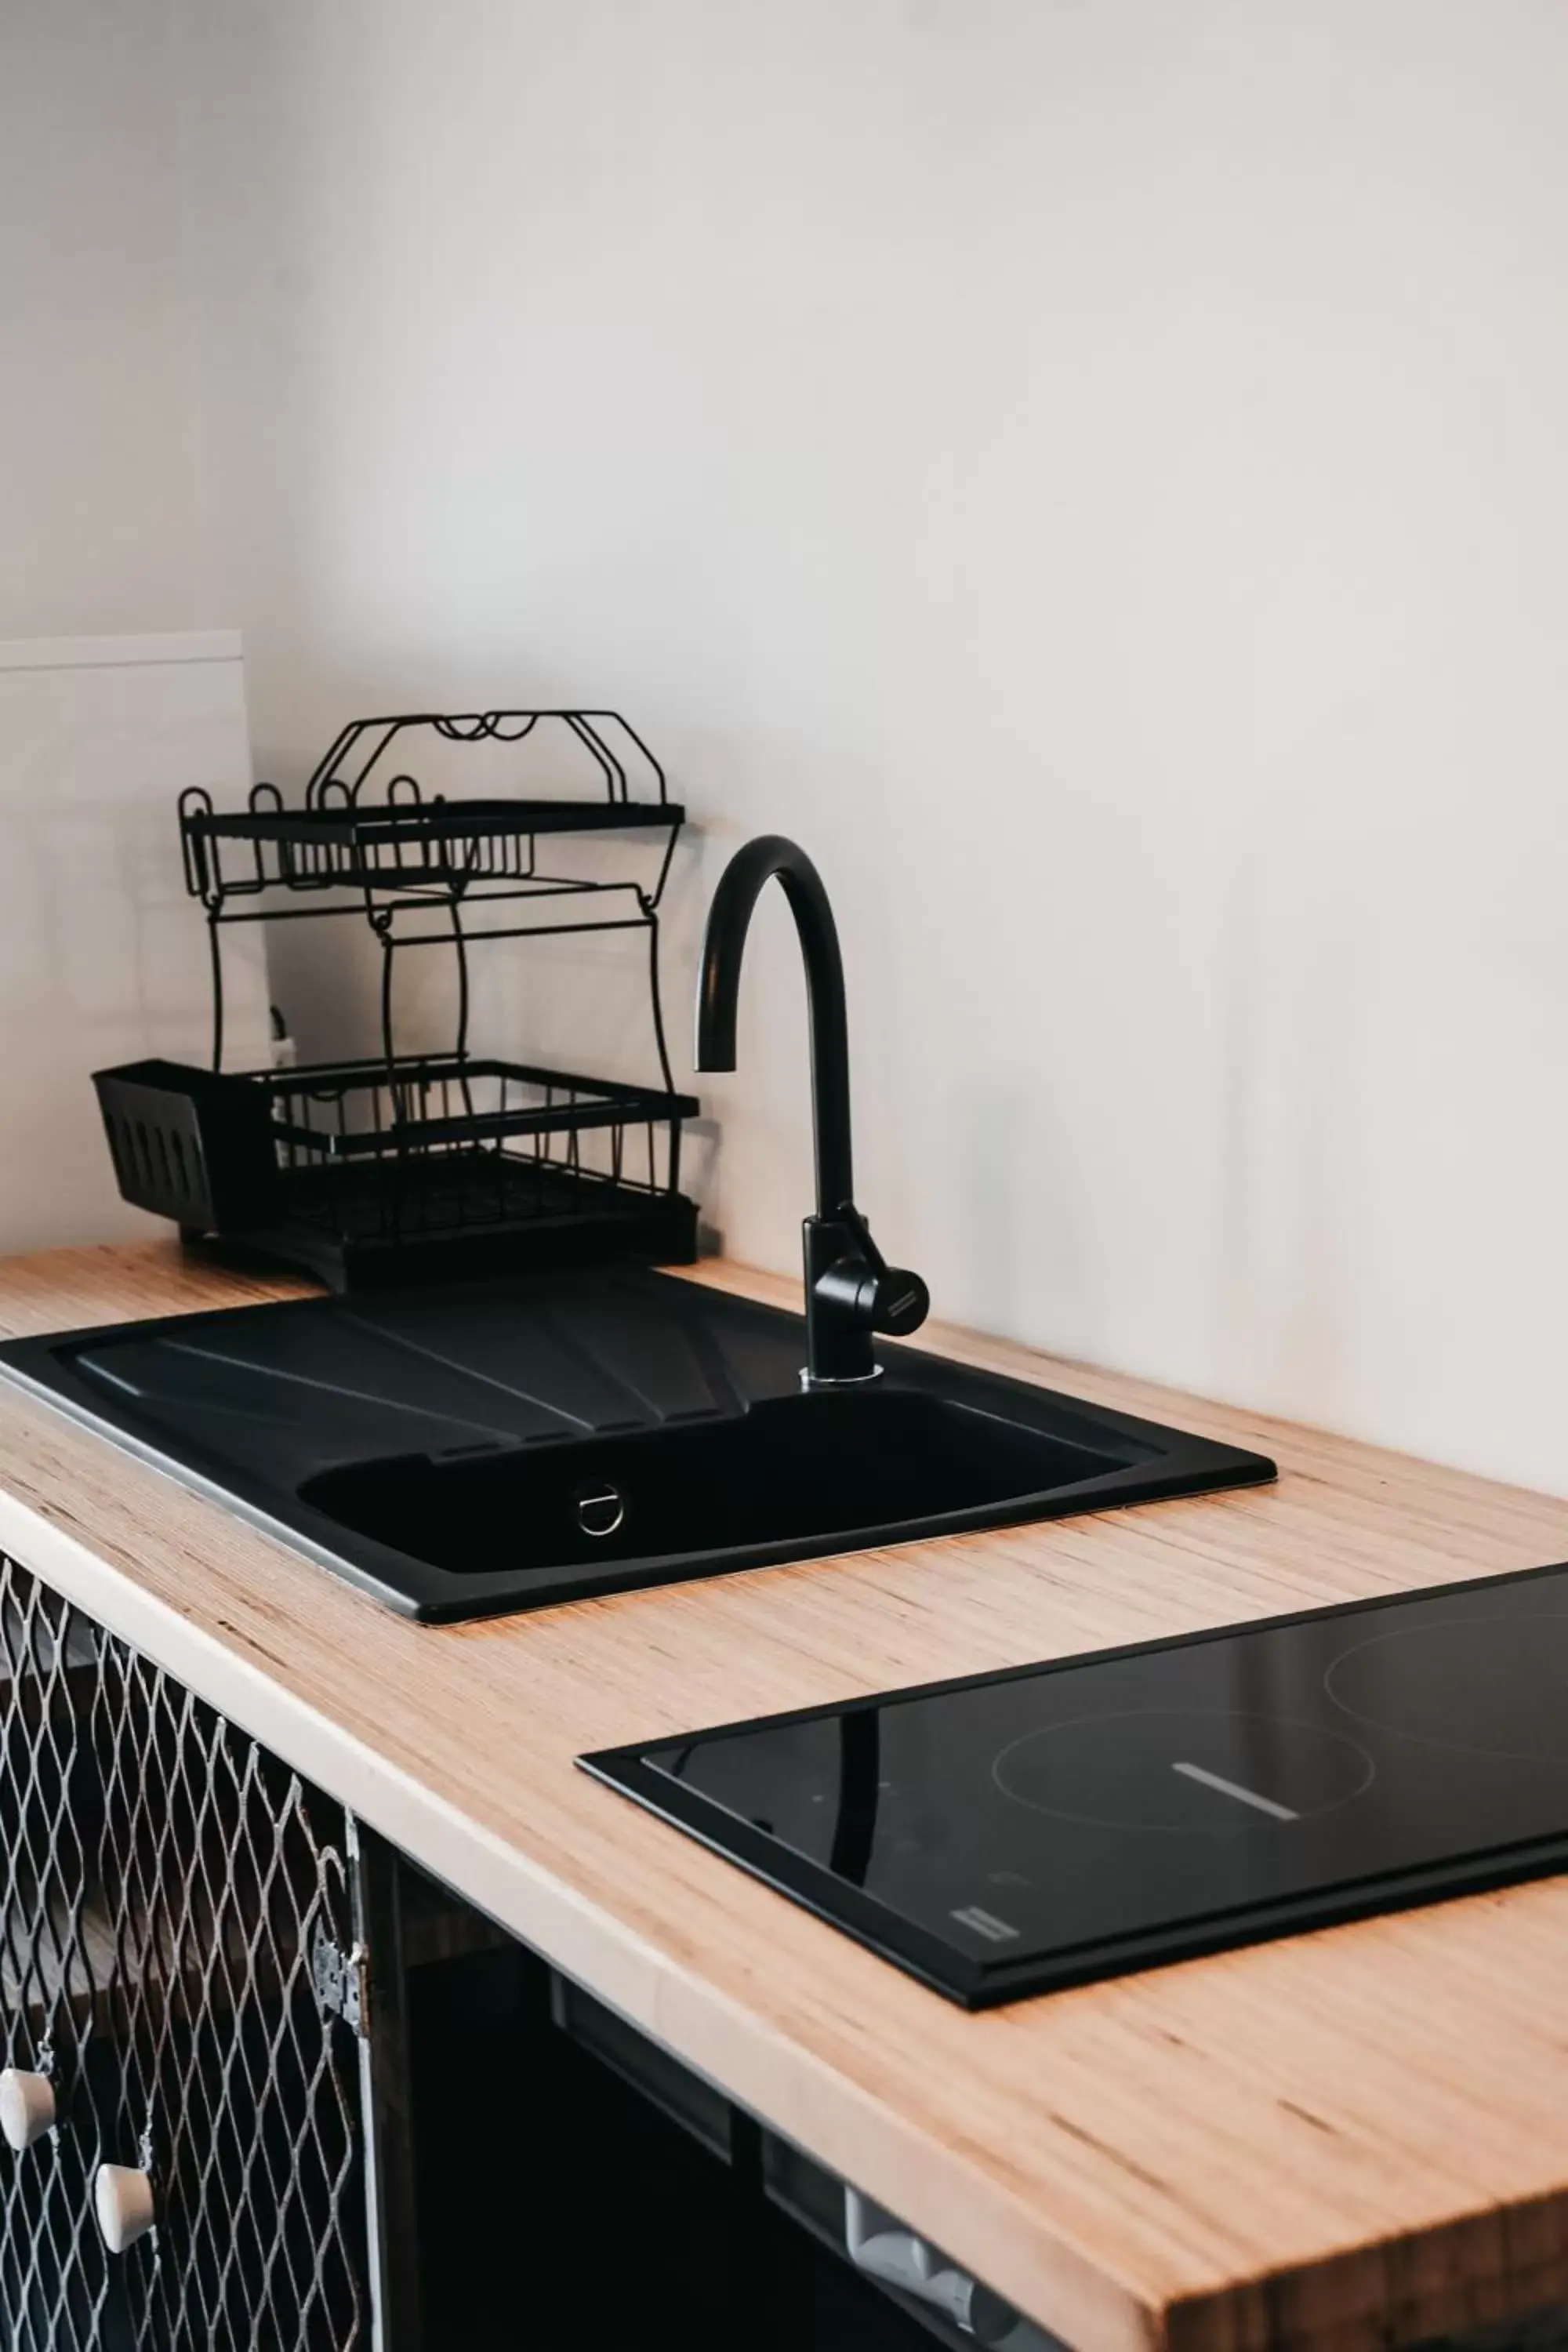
[[1234, 1788], [984, 1923]]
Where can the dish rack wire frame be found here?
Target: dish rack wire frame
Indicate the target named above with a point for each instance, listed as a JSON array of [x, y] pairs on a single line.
[[421, 1109], [416, 869], [404, 853]]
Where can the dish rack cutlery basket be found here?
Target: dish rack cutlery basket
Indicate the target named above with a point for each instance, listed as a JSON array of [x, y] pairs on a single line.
[[403, 1166]]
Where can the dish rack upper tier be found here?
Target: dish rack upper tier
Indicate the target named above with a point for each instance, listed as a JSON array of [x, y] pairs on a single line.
[[403, 840]]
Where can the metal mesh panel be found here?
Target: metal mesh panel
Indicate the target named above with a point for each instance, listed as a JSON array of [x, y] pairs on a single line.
[[54, 2276], [176, 1896]]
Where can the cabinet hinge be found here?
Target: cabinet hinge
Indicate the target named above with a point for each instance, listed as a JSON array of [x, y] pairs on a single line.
[[342, 1980]]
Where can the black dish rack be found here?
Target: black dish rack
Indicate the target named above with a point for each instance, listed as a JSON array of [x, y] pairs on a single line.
[[401, 1167]]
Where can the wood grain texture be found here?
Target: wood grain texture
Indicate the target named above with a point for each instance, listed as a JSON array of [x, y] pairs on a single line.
[[1349, 2140]]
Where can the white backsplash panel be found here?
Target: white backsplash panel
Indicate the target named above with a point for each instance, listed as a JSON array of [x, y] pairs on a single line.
[[103, 957]]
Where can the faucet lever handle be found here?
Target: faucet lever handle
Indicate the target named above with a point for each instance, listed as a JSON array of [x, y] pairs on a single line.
[[849, 1217], [900, 1301]]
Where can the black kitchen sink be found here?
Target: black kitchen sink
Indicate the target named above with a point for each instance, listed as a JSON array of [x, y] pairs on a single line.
[[480, 1448], [799, 1471]]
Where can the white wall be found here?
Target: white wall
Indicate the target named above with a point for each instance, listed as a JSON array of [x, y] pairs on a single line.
[[98, 510], [104, 714], [1096, 474], [103, 957]]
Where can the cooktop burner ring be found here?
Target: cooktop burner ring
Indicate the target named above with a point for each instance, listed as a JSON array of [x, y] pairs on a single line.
[[1514, 1692], [1186, 1772]]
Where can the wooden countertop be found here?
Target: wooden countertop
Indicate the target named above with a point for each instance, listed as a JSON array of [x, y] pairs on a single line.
[[1349, 2140]]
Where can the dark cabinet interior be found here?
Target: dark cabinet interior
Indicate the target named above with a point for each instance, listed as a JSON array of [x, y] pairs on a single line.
[[561, 2205]]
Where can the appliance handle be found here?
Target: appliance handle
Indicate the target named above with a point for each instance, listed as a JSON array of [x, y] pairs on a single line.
[[879, 2244]]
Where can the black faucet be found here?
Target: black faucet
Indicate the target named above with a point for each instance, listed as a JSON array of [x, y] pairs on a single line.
[[850, 1291]]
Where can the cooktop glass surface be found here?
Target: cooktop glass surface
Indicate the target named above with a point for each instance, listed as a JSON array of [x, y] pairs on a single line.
[[1012, 1833]]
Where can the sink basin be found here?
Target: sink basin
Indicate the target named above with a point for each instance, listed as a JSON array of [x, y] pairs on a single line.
[[501, 1446], [793, 1472]]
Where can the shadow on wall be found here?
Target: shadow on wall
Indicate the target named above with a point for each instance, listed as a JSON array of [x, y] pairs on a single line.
[[1394, 1259], [1013, 1209]]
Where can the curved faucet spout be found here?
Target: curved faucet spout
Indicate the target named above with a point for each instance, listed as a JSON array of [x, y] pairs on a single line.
[[851, 1291], [729, 920]]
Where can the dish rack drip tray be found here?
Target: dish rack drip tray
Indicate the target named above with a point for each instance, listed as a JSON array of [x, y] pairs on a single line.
[[420, 1167]]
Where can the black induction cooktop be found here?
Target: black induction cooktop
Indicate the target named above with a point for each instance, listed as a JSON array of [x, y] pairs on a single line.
[[1011, 1833]]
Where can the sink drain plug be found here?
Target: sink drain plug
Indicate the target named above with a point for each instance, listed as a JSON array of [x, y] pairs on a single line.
[[600, 1509]]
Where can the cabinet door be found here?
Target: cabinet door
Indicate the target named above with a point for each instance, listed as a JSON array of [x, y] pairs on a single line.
[[56, 2288], [179, 1961]]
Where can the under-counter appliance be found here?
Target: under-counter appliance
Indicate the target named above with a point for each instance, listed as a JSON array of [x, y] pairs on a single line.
[[1013, 1833]]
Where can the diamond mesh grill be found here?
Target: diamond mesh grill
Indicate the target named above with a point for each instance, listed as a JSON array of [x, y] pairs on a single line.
[[167, 1886]]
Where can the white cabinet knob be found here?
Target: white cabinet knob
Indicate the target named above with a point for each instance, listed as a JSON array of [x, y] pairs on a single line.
[[122, 2200], [27, 2108]]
